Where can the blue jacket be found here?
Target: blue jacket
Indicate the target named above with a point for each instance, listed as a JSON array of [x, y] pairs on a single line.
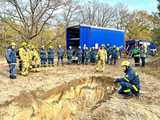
[[86, 54], [79, 53], [50, 53], [43, 54], [93, 54], [132, 77], [109, 51], [69, 53], [114, 53], [60, 52], [11, 55]]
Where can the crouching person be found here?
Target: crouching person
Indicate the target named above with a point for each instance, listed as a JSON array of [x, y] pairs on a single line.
[[130, 83], [11, 59]]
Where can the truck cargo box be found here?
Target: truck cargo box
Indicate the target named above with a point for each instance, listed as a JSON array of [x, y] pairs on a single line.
[[92, 36]]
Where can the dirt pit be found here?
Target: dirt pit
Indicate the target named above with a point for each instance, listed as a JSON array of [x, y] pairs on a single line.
[[60, 103]]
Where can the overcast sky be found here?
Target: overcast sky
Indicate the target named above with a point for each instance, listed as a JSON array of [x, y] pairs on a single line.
[[149, 5]]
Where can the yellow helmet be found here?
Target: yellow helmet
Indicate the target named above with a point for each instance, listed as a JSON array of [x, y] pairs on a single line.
[[50, 46], [24, 44], [13, 44], [32, 46], [125, 63], [29, 46]]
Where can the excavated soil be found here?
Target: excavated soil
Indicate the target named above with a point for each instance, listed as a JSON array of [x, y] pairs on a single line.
[[60, 103]]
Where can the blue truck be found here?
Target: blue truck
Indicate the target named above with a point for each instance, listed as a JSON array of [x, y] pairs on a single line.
[[92, 36], [151, 46]]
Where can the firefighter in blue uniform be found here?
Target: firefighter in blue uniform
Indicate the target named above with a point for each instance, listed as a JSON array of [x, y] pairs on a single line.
[[114, 55], [50, 56], [93, 55], [60, 54], [86, 56], [79, 55], [130, 83], [11, 60], [121, 51], [69, 55], [43, 56], [108, 50]]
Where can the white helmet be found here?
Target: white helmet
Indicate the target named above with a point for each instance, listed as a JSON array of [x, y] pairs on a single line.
[[70, 47]]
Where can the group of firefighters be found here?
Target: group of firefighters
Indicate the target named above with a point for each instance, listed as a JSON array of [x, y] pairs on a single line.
[[90, 55], [30, 59]]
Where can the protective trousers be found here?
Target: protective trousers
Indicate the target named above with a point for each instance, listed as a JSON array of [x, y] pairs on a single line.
[[86, 60], [79, 60], [60, 60], [137, 61], [50, 61], [100, 65], [114, 60], [43, 62], [69, 58], [35, 65], [13, 70], [25, 68], [125, 88]]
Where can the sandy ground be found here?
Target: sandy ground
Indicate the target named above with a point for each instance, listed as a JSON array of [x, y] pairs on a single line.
[[147, 107]]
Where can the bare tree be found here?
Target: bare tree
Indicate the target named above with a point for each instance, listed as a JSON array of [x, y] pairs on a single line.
[[96, 13], [70, 12], [29, 17], [140, 25], [105, 15], [88, 13], [121, 16], [67, 16]]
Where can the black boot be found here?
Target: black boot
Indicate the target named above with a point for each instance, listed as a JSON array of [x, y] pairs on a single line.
[[12, 77]]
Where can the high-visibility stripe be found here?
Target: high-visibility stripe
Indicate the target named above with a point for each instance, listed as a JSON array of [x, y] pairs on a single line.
[[136, 55], [135, 88], [127, 90], [126, 79], [136, 73]]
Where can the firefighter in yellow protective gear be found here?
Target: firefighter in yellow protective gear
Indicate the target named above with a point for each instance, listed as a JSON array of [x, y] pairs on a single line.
[[101, 55], [24, 58], [35, 60], [29, 49]]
